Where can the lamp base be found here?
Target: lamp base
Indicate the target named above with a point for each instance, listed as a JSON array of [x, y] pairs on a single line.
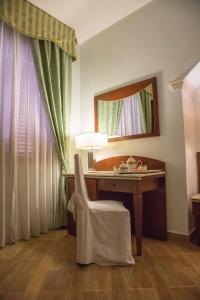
[[90, 161]]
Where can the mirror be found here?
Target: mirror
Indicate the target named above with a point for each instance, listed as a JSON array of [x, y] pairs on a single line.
[[128, 112]]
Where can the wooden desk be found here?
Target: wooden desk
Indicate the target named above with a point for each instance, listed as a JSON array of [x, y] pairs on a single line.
[[147, 187]]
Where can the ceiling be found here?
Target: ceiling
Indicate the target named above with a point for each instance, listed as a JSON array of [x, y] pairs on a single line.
[[88, 17]]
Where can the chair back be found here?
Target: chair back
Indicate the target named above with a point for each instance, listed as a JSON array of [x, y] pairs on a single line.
[[80, 185]]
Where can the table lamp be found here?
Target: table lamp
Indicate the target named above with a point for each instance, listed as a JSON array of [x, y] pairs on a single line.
[[90, 141]]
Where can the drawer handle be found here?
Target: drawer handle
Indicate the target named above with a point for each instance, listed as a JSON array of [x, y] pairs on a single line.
[[114, 184]]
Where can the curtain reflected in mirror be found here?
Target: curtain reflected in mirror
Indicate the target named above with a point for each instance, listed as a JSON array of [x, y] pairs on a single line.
[[130, 116]]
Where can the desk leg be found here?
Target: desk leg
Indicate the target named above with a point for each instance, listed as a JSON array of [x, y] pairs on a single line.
[[138, 216]]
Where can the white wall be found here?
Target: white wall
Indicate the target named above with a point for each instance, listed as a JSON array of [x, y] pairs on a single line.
[[189, 116], [161, 39], [197, 117]]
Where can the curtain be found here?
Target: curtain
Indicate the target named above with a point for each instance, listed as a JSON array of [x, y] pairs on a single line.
[[132, 119], [109, 113], [28, 19], [146, 96], [128, 116], [29, 165], [54, 73]]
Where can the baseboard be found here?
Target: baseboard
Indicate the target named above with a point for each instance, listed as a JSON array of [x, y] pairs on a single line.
[[192, 231], [177, 236], [181, 237]]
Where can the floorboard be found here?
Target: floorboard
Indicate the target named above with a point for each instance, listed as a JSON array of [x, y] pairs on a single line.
[[45, 268]]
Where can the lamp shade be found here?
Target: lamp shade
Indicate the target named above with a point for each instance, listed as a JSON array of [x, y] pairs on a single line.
[[90, 140]]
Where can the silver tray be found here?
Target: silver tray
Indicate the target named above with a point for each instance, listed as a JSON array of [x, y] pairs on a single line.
[[141, 171]]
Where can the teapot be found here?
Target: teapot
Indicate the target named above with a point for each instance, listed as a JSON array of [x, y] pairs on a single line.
[[123, 167], [131, 163]]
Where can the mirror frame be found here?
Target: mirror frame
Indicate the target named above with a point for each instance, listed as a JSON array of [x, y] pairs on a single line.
[[127, 91]]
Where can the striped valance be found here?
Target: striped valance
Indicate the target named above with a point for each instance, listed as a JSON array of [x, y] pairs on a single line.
[[29, 20], [149, 90]]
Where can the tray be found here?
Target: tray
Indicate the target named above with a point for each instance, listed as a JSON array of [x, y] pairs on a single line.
[[141, 171]]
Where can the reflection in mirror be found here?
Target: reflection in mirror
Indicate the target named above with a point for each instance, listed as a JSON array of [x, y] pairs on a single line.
[[128, 116], [128, 112]]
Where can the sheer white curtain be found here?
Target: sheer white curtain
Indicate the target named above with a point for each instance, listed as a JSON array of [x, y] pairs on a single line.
[[29, 167], [130, 119]]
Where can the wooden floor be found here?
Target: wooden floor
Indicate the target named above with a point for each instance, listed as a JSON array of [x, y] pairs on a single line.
[[44, 268]]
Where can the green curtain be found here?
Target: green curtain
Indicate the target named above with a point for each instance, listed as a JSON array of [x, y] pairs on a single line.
[[30, 20], [142, 117], [146, 109], [54, 73], [108, 116]]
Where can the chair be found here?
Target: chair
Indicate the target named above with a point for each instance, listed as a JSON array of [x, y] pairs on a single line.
[[103, 227]]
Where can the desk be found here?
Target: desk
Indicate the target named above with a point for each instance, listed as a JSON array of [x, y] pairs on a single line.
[[196, 214], [150, 187]]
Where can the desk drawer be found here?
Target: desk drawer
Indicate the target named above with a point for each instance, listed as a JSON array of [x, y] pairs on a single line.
[[114, 185]]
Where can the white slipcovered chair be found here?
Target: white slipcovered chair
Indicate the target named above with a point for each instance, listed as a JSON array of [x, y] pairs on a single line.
[[103, 227]]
